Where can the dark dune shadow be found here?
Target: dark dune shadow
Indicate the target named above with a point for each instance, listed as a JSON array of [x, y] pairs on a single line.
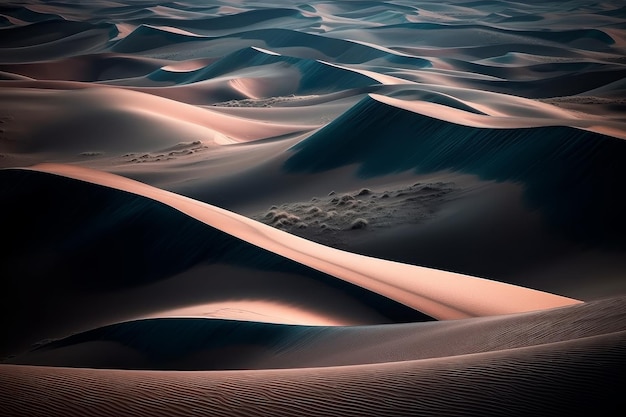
[[45, 32], [558, 36], [213, 344], [315, 77], [71, 240], [340, 50], [236, 21], [569, 174], [25, 14], [86, 68], [146, 38]]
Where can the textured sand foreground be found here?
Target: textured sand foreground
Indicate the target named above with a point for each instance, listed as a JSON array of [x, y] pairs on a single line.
[[312, 208], [573, 375]]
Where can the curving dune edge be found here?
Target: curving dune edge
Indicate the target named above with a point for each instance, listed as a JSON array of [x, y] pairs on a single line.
[[440, 294], [319, 208]]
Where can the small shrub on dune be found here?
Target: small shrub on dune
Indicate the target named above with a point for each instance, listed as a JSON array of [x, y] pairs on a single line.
[[359, 223], [349, 213], [90, 153], [275, 216], [345, 199], [281, 224], [293, 219], [326, 227]]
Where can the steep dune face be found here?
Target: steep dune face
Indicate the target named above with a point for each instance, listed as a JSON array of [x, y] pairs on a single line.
[[566, 172], [312, 208], [51, 39]]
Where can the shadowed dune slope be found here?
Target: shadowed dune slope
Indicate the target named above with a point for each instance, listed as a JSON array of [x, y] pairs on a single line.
[[262, 17], [53, 39], [442, 33], [212, 344], [86, 68], [567, 173], [23, 14], [338, 50], [44, 32], [572, 377], [315, 76], [441, 294], [148, 37], [62, 227]]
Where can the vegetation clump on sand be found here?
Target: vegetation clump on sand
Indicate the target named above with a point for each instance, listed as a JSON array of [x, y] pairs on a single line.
[[361, 210], [359, 223]]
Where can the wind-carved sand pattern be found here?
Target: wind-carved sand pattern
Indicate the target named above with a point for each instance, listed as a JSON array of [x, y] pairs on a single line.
[[312, 208], [327, 219]]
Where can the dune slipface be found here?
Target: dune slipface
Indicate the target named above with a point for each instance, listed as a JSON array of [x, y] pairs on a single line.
[[320, 208]]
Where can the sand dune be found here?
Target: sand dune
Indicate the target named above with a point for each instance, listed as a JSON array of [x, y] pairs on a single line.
[[526, 155], [53, 39], [312, 208], [428, 291], [88, 68], [182, 262], [550, 379], [211, 344]]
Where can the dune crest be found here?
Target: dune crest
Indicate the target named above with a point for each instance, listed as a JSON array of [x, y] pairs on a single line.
[[325, 208], [570, 374], [441, 294]]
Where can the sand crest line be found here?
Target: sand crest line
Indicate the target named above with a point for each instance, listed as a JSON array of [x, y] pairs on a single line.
[[440, 294]]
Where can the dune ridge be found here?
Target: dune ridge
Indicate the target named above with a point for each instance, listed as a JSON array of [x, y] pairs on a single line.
[[475, 385], [215, 344], [312, 208], [435, 290], [527, 155], [180, 262]]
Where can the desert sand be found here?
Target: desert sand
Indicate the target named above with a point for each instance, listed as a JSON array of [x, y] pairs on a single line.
[[315, 208]]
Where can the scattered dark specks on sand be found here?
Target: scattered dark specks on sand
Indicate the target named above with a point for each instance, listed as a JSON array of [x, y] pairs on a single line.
[[262, 102], [179, 150], [361, 211], [359, 224]]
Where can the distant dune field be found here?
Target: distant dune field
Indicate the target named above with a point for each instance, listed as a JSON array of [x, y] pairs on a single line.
[[324, 208]]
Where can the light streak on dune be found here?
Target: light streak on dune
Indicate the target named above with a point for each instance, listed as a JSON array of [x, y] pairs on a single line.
[[440, 294]]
